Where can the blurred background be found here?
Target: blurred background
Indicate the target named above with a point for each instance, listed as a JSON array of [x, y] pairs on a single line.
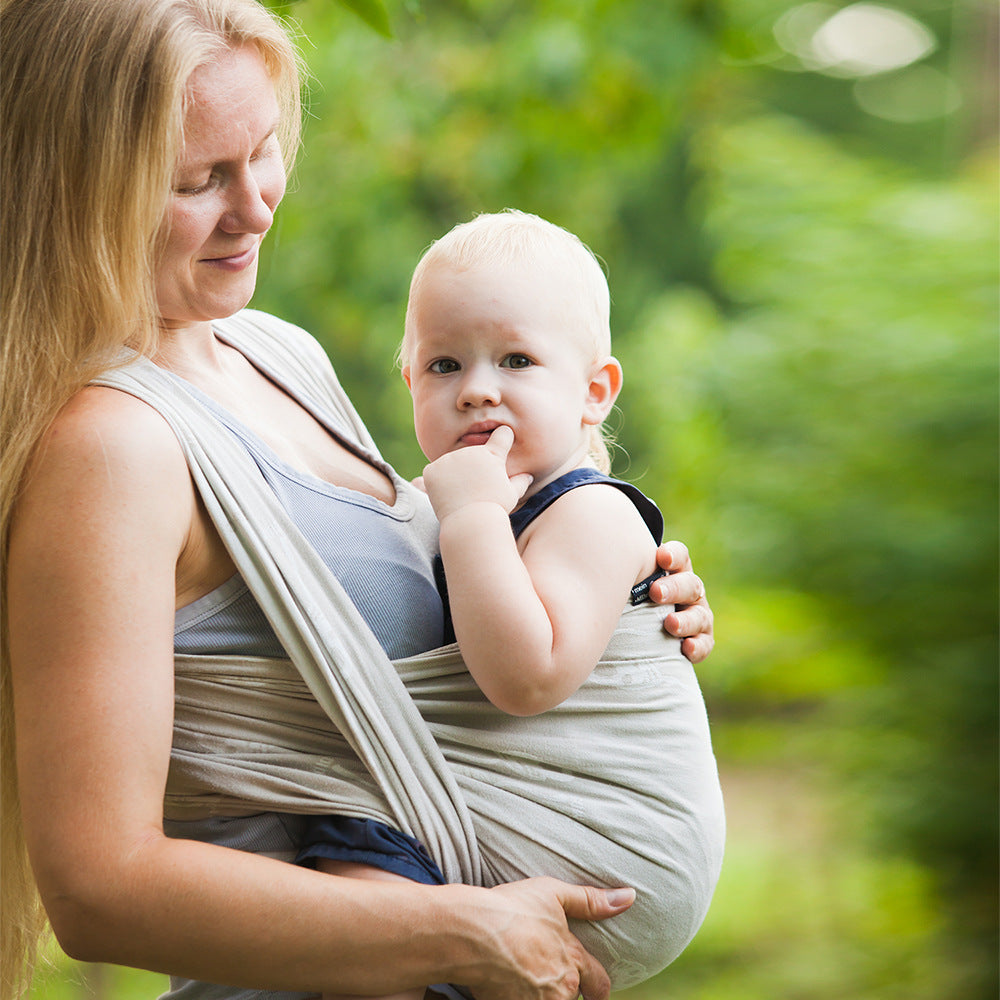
[[796, 206]]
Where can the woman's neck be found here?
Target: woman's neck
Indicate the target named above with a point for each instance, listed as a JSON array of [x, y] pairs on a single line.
[[190, 350]]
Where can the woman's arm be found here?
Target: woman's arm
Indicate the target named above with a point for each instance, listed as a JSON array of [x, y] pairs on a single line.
[[105, 516], [559, 590]]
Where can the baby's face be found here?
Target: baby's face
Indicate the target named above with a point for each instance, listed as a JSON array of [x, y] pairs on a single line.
[[492, 346]]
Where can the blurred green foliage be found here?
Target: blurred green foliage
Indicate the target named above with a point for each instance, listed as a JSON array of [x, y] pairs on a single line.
[[805, 304]]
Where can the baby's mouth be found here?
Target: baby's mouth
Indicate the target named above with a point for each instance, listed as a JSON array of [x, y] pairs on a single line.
[[479, 434]]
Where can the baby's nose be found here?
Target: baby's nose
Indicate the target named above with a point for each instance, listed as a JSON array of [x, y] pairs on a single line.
[[478, 390]]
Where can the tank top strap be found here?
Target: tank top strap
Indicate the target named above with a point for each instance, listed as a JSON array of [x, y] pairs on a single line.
[[546, 496]]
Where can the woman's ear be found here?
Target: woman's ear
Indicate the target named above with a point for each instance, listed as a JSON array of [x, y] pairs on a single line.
[[406, 376], [602, 390]]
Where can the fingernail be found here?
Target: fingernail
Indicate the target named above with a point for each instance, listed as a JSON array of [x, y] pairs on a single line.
[[620, 897]]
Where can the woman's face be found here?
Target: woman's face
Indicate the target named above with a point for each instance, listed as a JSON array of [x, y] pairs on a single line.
[[228, 182]]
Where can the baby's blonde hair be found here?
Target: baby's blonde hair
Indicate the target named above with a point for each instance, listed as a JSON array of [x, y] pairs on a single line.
[[512, 237], [92, 95]]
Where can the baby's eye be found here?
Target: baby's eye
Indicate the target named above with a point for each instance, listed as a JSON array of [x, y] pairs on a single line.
[[443, 366], [516, 361]]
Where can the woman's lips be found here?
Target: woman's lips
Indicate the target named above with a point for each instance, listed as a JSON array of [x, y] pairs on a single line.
[[236, 261]]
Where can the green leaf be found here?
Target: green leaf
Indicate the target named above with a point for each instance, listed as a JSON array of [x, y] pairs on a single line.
[[373, 13]]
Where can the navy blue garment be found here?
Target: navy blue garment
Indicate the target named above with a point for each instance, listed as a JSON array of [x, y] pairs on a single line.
[[545, 497], [369, 842]]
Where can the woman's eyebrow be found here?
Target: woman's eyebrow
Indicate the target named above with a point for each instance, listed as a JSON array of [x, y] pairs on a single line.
[[209, 162]]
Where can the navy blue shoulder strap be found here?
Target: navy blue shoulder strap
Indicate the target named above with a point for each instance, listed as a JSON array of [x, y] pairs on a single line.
[[546, 496]]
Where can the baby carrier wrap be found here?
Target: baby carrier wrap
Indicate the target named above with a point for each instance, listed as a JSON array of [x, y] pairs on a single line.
[[616, 786]]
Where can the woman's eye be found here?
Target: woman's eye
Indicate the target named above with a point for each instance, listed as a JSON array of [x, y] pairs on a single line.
[[199, 188], [267, 148], [517, 361], [443, 366]]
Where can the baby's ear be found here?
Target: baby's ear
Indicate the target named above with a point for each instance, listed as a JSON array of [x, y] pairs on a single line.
[[602, 390], [406, 376]]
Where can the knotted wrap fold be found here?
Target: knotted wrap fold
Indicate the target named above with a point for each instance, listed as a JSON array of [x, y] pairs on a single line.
[[616, 786]]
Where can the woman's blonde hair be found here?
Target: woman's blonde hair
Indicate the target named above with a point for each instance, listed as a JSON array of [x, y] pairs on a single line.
[[92, 95], [512, 237]]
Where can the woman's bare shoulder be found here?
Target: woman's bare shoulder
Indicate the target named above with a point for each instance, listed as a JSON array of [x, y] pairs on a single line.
[[104, 449], [115, 427]]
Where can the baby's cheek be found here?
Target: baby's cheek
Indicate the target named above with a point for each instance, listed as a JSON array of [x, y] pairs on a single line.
[[518, 463], [429, 442]]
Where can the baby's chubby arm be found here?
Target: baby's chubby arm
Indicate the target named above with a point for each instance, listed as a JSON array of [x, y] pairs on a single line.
[[533, 623]]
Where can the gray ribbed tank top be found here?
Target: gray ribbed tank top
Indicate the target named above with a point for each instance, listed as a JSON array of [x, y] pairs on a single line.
[[382, 555]]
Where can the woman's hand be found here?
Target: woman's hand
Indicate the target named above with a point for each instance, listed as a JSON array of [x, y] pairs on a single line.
[[691, 620], [533, 955]]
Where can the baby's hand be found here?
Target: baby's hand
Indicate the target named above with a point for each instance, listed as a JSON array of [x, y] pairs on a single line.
[[477, 474]]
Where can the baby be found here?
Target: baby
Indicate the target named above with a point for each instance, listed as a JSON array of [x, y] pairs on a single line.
[[507, 353], [547, 563]]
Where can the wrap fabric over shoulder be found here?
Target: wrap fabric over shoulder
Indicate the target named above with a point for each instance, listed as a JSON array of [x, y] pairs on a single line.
[[616, 786]]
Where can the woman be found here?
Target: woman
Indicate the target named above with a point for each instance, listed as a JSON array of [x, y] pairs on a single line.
[[147, 141]]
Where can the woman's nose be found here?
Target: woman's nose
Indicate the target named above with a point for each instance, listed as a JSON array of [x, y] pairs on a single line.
[[252, 205]]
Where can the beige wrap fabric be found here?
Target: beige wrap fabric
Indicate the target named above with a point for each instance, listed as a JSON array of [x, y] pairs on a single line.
[[616, 786]]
